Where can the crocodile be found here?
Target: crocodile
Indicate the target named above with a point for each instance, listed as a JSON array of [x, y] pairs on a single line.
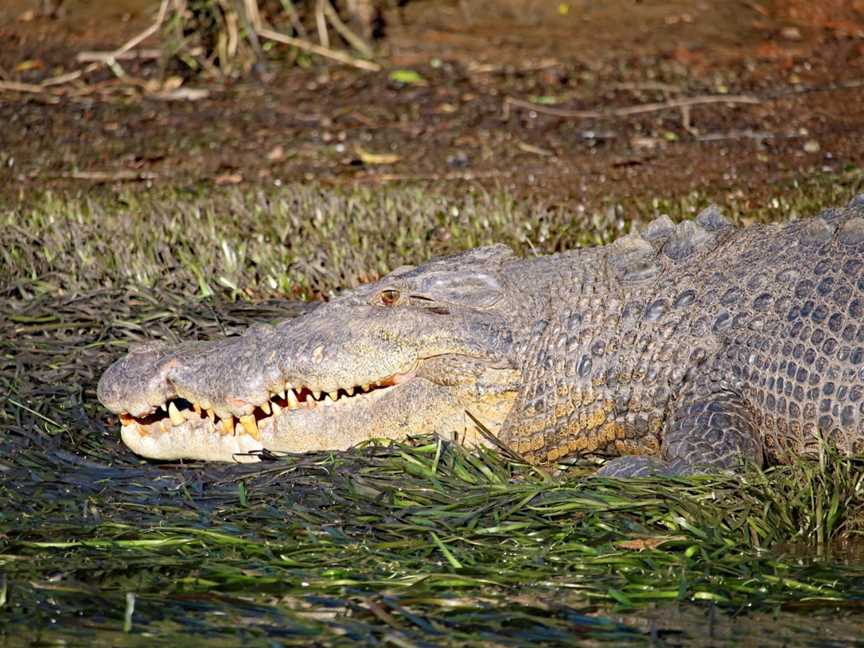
[[676, 349]]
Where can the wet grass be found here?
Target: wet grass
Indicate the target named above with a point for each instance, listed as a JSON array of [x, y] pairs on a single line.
[[410, 544]]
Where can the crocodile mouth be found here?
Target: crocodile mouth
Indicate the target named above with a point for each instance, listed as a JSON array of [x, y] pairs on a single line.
[[181, 415]]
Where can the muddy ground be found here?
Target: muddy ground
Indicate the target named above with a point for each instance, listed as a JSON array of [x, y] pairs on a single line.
[[799, 64]]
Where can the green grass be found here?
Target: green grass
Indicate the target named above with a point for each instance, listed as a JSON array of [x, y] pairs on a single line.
[[303, 240], [414, 543], [417, 540]]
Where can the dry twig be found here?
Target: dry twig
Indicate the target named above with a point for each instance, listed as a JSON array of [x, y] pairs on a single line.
[[350, 37], [627, 111], [61, 79], [307, 46], [451, 176], [321, 23], [131, 55], [15, 86], [111, 176], [110, 58], [256, 29], [288, 8]]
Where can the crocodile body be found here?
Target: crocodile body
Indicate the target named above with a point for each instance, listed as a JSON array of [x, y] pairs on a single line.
[[677, 349]]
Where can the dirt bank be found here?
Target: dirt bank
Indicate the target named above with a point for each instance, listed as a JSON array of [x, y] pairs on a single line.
[[527, 96]]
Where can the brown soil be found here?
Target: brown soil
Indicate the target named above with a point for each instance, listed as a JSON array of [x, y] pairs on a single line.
[[804, 61]]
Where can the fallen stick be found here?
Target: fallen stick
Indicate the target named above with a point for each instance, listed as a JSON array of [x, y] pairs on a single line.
[[126, 52], [15, 86], [321, 24], [180, 94], [629, 110], [131, 55], [350, 37], [454, 175], [326, 52], [109, 58], [61, 79], [110, 176], [305, 45]]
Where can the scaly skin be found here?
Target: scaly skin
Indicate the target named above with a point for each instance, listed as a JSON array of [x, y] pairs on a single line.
[[680, 349]]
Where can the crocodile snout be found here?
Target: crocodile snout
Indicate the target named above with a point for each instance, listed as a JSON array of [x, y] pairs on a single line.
[[138, 383]]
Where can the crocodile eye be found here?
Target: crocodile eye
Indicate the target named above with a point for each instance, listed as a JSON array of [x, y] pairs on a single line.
[[389, 296]]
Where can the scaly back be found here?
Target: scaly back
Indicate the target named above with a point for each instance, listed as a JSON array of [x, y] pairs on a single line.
[[770, 312]]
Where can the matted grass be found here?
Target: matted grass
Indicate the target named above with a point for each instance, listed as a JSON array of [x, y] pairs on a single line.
[[411, 544]]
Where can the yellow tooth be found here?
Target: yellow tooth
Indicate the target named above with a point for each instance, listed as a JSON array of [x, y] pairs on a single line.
[[282, 394], [334, 394], [163, 408], [291, 397], [197, 408], [349, 391], [265, 407], [174, 414], [276, 409], [316, 395], [126, 419], [328, 399], [228, 425], [366, 387], [250, 426], [211, 414]]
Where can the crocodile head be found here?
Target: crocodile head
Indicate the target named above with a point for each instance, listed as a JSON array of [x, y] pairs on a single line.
[[409, 354]]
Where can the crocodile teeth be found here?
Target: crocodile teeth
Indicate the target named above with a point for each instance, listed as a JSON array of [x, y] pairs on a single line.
[[265, 407], [328, 400], [365, 387], [250, 426], [197, 408], [163, 408], [126, 419], [293, 403], [228, 425], [163, 425], [211, 414], [281, 394], [316, 395], [333, 394], [350, 391], [174, 414], [276, 409]]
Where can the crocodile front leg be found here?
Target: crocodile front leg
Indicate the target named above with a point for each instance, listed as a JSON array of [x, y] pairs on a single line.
[[713, 433]]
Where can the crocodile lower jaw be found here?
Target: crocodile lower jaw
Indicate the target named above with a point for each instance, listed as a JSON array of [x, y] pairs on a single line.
[[198, 436]]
